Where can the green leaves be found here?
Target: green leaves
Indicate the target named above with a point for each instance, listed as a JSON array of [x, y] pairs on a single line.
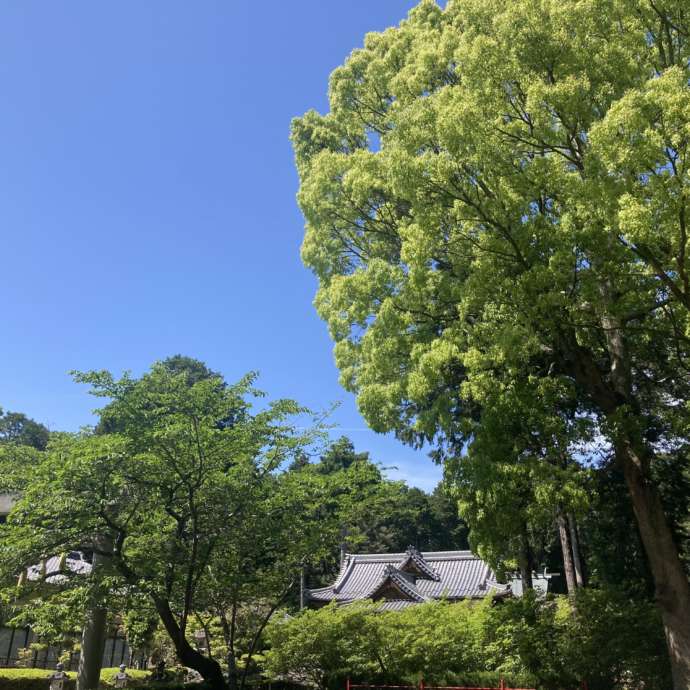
[[611, 640], [485, 218], [498, 222], [177, 488]]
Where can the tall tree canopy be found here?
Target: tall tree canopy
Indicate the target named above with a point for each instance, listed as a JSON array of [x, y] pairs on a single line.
[[496, 210]]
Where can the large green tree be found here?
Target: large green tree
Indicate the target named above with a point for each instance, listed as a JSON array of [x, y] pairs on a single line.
[[496, 204]]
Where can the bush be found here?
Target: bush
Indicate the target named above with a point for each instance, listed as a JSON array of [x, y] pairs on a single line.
[[37, 679], [488, 679], [604, 637]]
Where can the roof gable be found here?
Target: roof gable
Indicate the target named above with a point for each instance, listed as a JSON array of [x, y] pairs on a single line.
[[393, 585], [415, 564]]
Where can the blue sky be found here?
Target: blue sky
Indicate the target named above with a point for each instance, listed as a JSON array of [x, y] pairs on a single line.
[[147, 197]]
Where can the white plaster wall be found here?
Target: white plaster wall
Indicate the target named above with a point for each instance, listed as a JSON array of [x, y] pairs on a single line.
[[6, 503]]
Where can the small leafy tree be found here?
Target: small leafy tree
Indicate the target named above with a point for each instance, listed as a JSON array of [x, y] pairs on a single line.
[[319, 646], [16, 427], [161, 498]]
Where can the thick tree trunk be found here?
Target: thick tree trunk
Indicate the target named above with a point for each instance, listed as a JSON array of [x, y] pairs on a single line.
[[577, 558], [93, 634], [568, 565], [208, 668], [672, 589], [92, 647], [618, 405], [671, 585]]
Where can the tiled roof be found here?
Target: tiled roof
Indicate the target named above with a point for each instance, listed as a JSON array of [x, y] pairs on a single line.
[[394, 604], [453, 575], [398, 581], [54, 569]]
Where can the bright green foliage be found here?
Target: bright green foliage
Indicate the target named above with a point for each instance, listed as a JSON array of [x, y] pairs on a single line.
[[208, 530], [55, 619], [464, 199], [610, 641], [496, 211], [317, 646]]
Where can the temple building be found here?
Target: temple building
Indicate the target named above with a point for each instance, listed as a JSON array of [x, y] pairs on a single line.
[[398, 580]]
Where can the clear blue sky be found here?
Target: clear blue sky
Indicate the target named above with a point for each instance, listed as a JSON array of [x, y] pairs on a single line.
[[147, 196]]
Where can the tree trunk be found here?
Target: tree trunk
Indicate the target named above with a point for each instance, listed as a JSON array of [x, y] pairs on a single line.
[[568, 565], [208, 668], [575, 543], [257, 634], [671, 585], [525, 561], [92, 647], [93, 634], [229, 629], [618, 405], [672, 589], [233, 682]]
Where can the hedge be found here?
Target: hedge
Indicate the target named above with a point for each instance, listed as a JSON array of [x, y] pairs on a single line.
[[37, 679]]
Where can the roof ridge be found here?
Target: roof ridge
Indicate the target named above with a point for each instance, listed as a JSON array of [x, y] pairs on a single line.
[[375, 556], [455, 553], [345, 569]]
